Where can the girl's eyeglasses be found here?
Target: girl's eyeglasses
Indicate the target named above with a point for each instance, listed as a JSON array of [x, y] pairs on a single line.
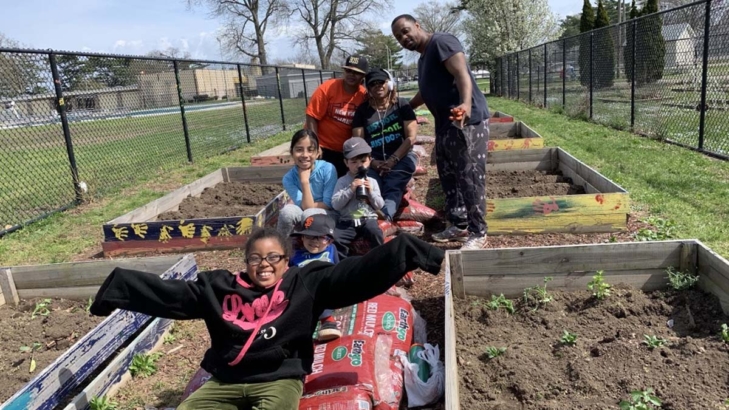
[[317, 238], [271, 258]]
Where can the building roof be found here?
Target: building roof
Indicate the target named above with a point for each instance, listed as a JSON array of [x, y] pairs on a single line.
[[673, 32]]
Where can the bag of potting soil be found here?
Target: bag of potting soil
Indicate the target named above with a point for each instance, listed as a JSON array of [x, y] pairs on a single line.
[[415, 211], [411, 227], [347, 361], [387, 228], [338, 398], [422, 139]]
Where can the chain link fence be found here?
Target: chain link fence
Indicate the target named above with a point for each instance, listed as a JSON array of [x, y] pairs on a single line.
[[84, 125], [664, 75]]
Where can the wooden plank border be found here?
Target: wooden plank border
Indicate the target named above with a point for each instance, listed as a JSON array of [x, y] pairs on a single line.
[[8, 290], [67, 372], [452, 381]]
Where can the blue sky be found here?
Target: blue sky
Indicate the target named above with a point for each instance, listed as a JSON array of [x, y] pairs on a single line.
[[138, 26]]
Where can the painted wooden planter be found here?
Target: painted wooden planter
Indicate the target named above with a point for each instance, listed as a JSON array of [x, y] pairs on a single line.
[[509, 271], [603, 208], [506, 136], [498, 116], [140, 230], [80, 280]]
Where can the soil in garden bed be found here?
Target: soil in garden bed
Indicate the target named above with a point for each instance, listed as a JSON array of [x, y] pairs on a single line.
[[608, 360], [224, 200], [42, 338]]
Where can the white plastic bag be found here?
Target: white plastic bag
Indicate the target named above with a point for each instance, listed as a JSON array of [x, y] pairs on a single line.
[[421, 393]]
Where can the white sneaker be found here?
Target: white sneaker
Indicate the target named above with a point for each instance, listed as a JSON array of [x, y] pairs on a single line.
[[474, 242]]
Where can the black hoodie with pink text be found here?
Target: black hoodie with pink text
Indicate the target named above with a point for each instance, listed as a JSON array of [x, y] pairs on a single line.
[[232, 307]]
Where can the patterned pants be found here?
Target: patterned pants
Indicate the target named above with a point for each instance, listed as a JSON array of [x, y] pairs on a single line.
[[461, 159]]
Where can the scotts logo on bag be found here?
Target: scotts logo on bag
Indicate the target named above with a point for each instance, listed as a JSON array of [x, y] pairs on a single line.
[[356, 356], [339, 353], [402, 328], [388, 321]]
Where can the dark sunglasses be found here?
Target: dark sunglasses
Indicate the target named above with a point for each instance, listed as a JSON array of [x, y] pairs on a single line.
[[348, 71], [376, 83]]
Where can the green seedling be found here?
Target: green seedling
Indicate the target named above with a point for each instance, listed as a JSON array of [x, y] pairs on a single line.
[[493, 352], [600, 289], [500, 302], [725, 333], [641, 400], [31, 349], [169, 339], [568, 338], [102, 403], [664, 229], [680, 280], [653, 341], [537, 295], [41, 308], [88, 304], [144, 365]]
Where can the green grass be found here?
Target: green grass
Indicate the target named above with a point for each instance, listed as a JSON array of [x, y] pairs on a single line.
[[672, 182], [112, 154], [67, 236]]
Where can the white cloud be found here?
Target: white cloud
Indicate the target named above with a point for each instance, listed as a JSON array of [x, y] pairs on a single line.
[[164, 43], [185, 44]]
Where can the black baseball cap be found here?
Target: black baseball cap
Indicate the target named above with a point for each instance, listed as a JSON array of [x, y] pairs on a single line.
[[316, 225], [376, 74], [356, 63]]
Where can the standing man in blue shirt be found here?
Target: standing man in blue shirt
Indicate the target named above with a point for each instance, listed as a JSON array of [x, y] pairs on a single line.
[[447, 87]]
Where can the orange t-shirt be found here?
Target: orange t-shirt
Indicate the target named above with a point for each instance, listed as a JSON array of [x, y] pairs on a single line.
[[334, 109]]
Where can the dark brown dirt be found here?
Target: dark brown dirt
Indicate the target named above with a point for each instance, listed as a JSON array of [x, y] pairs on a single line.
[[55, 333], [224, 200], [608, 360]]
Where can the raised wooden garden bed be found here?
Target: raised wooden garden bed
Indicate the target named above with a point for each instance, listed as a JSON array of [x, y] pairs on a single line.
[[90, 355], [604, 207], [608, 359], [498, 116], [505, 136], [142, 229]]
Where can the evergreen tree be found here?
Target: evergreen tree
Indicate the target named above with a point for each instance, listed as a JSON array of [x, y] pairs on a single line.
[[604, 53], [650, 46], [587, 23]]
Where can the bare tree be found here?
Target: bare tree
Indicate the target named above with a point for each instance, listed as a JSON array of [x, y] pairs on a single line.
[[301, 57], [246, 24], [329, 23], [436, 16]]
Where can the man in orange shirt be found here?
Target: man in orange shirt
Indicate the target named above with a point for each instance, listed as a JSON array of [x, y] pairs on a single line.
[[331, 109]]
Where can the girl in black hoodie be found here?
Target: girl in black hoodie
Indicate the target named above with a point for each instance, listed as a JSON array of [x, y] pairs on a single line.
[[261, 321]]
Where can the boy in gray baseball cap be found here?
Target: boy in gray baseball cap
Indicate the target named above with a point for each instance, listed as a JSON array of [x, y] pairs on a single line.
[[357, 198]]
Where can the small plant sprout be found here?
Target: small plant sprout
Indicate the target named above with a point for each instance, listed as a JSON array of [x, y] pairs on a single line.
[[493, 352], [725, 333], [681, 280], [641, 400], [500, 302], [169, 339], [144, 365], [538, 295], [102, 403], [568, 338], [653, 341], [600, 289], [88, 304], [41, 308]]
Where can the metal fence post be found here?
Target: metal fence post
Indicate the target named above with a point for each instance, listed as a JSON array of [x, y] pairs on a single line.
[[530, 75], [280, 99], [704, 75], [61, 107], [632, 77], [564, 73], [306, 94], [592, 68], [518, 91], [321, 77], [182, 110], [243, 101], [545, 75], [508, 75]]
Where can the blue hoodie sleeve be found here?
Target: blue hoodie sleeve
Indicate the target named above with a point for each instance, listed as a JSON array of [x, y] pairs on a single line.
[[291, 185], [330, 181]]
